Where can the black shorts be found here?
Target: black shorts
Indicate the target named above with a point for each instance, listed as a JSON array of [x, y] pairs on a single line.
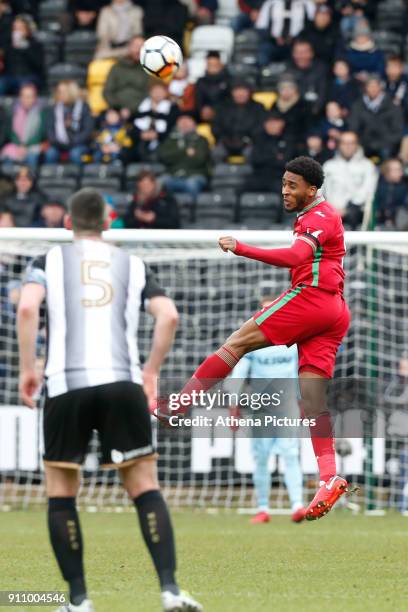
[[117, 411]]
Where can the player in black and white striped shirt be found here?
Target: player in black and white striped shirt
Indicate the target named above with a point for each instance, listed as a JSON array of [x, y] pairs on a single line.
[[94, 293]]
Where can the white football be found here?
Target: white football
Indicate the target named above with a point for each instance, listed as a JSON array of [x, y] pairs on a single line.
[[161, 57]]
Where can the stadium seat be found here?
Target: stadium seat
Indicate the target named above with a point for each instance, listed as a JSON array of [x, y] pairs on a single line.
[[215, 210], [80, 47], [270, 75], [247, 40], [6, 102], [227, 9], [103, 171], [49, 15], [229, 176], [59, 193], [266, 98], [133, 170], [186, 207], [246, 48], [260, 209], [204, 129], [243, 71], [212, 38], [52, 43], [196, 68], [389, 42], [57, 171], [61, 72], [108, 185], [98, 71], [10, 170], [50, 184], [390, 16]]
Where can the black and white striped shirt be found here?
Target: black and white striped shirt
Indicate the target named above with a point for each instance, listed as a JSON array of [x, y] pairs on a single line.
[[94, 294]]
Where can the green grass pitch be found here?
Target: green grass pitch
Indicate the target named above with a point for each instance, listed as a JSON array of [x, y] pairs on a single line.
[[340, 563]]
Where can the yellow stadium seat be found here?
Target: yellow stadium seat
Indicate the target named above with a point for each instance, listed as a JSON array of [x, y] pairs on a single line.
[[266, 98], [204, 129], [236, 159], [98, 71]]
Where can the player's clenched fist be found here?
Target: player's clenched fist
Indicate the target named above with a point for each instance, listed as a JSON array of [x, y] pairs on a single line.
[[227, 243]]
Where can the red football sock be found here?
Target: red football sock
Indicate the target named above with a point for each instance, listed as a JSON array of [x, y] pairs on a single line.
[[323, 446], [216, 367]]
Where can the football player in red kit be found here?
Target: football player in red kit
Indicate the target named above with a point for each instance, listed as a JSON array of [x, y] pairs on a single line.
[[311, 314]]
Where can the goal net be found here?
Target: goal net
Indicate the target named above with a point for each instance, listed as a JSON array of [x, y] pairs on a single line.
[[215, 293]]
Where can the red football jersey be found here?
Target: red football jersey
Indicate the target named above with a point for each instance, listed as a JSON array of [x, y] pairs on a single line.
[[321, 226]]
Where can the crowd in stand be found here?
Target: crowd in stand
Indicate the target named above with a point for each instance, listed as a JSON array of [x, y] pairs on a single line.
[[337, 97]]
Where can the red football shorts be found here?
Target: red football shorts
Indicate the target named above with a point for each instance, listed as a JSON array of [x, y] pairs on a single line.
[[312, 318]]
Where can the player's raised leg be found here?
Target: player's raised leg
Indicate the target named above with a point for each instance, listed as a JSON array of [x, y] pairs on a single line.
[[313, 389], [141, 483], [221, 363], [64, 528]]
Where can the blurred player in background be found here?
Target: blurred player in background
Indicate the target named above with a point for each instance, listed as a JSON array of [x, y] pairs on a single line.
[[312, 314], [277, 362], [94, 293]]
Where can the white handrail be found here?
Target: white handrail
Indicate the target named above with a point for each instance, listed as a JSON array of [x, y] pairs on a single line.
[[196, 236]]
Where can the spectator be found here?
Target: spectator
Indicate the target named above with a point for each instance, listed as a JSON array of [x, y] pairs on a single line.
[[311, 75], [69, 125], [212, 88], [127, 82], [354, 12], [206, 11], [181, 91], [6, 217], [392, 193], [152, 207], [23, 57], [155, 118], [322, 34], [186, 156], [6, 20], [397, 83], [279, 22], [25, 129], [169, 16], [111, 138], [82, 14], [52, 214], [248, 15], [25, 202], [344, 88], [117, 24], [333, 124], [362, 55], [271, 149], [350, 180], [292, 108], [316, 148], [377, 121], [236, 122]]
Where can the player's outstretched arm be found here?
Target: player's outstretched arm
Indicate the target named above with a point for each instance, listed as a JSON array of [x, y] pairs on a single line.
[[290, 257], [166, 318], [28, 317]]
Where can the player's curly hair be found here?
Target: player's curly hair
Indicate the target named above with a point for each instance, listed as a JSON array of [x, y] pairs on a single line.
[[308, 168]]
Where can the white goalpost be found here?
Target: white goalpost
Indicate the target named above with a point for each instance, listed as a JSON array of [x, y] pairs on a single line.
[[214, 293]]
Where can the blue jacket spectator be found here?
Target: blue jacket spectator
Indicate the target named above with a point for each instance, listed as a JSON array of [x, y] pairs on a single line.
[[362, 55], [397, 84]]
